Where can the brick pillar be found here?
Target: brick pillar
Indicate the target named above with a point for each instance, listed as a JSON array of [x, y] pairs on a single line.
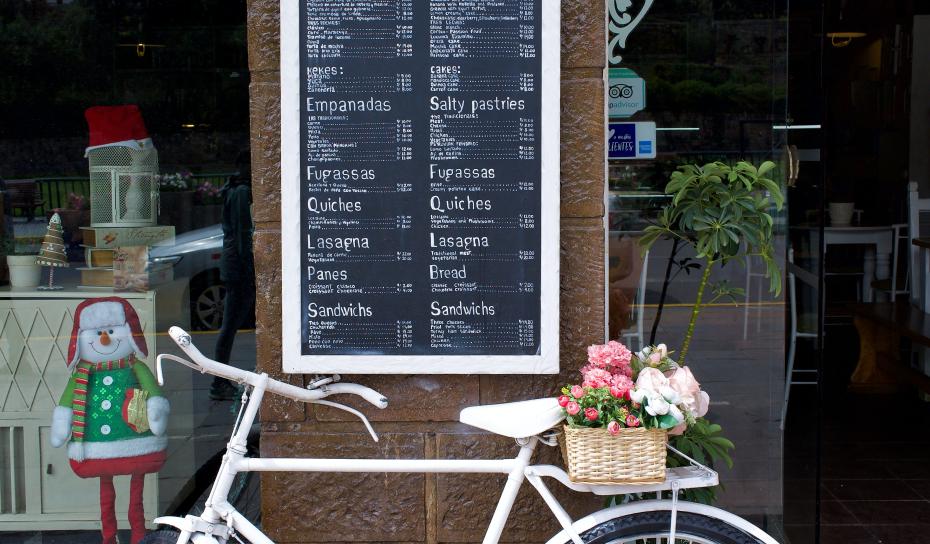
[[421, 421]]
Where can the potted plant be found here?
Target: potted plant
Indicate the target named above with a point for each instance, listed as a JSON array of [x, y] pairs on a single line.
[[722, 212], [209, 203], [21, 260], [842, 203], [176, 200]]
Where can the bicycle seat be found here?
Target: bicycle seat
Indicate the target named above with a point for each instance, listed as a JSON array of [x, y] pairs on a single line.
[[515, 419]]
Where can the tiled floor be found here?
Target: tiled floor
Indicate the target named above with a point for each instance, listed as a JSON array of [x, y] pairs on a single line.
[[877, 490], [875, 467]]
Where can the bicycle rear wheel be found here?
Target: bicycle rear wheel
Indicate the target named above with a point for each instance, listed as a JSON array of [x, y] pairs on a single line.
[[162, 536], [652, 528]]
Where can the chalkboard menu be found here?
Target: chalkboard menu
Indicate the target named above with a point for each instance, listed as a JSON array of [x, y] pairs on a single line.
[[420, 185]]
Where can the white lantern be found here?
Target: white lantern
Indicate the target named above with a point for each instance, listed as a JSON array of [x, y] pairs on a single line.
[[123, 187], [123, 168]]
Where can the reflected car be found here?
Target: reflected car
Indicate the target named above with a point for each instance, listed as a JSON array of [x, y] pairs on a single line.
[[195, 257]]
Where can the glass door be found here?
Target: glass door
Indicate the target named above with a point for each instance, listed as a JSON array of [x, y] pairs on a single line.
[[802, 136], [694, 82]]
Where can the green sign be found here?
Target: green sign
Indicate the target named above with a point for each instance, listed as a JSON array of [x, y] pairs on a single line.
[[626, 93]]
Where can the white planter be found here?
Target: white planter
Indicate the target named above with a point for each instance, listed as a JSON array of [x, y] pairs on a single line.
[[841, 213], [24, 272]]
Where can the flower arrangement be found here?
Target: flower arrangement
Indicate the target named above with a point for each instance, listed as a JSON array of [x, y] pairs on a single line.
[[621, 392], [77, 202], [207, 193], [179, 181]]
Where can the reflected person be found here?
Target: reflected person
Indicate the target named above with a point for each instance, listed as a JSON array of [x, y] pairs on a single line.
[[237, 268]]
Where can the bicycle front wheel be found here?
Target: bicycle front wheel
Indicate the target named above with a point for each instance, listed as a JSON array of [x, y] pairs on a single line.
[[652, 528]]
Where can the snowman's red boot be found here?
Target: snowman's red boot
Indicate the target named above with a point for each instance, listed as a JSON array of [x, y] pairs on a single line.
[[136, 508], [108, 510]]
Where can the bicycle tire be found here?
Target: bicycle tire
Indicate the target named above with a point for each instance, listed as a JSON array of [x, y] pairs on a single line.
[[244, 493], [648, 527]]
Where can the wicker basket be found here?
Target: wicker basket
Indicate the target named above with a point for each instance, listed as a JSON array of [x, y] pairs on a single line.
[[634, 456]]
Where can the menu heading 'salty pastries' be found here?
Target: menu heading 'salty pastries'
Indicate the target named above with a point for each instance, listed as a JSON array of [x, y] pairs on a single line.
[[420, 186]]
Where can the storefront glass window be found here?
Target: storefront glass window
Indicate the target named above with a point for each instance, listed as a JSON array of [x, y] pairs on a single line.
[[156, 213]]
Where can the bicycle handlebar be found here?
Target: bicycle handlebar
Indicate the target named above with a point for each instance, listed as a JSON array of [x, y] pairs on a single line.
[[203, 364]]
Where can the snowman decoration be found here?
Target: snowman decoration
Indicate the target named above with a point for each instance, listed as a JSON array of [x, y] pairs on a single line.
[[112, 413]]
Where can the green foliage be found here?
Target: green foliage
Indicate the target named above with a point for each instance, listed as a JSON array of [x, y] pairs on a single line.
[[609, 408], [723, 212], [716, 207], [703, 443]]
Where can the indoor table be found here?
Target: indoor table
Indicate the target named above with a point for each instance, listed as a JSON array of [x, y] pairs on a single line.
[[878, 242]]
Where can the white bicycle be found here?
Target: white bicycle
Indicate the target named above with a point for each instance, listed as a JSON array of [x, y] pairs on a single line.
[[530, 423]]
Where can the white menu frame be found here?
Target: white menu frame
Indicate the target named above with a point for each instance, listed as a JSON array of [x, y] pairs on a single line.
[[546, 361]]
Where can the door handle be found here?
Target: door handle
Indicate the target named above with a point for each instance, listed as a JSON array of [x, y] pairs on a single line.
[[794, 165]]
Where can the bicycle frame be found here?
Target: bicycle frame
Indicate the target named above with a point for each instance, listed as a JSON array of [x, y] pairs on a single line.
[[218, 508], [220, 520]]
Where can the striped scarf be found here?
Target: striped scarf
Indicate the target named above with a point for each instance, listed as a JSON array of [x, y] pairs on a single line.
[[79, 401]]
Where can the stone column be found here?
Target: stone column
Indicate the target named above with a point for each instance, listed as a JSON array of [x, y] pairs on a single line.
[[421, 421]]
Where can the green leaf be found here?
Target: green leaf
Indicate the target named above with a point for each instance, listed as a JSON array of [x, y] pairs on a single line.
[[667, 422], [721, 441], [765, 167]]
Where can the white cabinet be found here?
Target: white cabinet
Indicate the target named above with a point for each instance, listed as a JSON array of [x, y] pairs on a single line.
[[38, 490]]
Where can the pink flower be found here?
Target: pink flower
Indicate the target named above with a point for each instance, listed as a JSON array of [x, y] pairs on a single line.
[[623, 381], [619, 392], [613, 427], [688, 388], [599, 355], [632, 421], [564, 400], [611, 354], [572, 408], [597, 378], [590, 413], [655, 358], [626, 371], [678, 429], [577, 391]]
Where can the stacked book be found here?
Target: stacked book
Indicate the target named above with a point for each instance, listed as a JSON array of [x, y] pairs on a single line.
[[118, 257]]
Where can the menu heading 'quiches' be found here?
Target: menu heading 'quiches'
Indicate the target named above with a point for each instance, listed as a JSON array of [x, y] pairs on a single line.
[[420, 185]]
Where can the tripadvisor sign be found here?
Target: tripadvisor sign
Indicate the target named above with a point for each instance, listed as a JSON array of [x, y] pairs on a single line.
[[626, 93]]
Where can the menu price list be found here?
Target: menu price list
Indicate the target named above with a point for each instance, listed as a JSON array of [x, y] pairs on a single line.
[[420, 191]]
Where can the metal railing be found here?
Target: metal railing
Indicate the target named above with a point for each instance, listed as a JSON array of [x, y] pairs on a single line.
[[55, 191]]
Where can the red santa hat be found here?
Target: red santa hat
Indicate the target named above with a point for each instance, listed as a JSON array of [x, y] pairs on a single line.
[[100, 313], [116, 126]]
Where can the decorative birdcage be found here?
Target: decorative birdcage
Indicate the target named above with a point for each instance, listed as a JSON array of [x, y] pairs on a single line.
[[123, 186]]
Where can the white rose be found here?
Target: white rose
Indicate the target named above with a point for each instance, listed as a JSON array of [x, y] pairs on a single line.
[[656, 406], [651, 379], [670, 394], [663, 350]]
